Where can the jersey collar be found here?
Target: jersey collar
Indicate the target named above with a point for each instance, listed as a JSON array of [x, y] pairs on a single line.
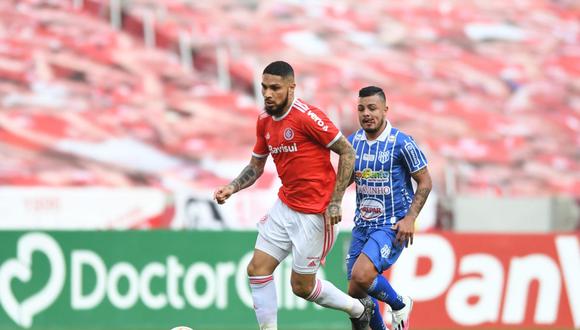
[[287, 112], [384, 135]]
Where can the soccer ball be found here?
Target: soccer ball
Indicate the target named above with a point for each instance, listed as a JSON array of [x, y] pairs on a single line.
[[182, 328]]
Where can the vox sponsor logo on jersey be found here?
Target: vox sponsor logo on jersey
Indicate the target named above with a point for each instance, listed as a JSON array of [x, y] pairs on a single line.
[[311, 114], [317, 120]]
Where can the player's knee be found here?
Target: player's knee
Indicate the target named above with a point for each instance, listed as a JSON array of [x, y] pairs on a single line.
[[256, 268], [362, 280], [253, 269], [302, 289], [354, 291]]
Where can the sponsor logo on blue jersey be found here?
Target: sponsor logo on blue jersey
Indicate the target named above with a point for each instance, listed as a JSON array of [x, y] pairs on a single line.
[[371, 208], [372, 190], [370, 175], [369, 157], [412, 151]]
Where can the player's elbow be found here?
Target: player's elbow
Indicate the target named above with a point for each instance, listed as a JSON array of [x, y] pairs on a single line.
[[426, 184], [258, 169], [259, 172], [343, 148], [348, 150]]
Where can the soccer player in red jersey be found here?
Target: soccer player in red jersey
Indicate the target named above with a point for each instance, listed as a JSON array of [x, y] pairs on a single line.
[[299, 137]]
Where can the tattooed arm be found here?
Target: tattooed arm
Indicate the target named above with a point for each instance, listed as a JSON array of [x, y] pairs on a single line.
[[343, 178], [247, 177], [406, 227], [423, 180]]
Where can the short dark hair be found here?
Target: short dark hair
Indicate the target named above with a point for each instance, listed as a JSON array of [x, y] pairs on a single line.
[[372, 90], [279, 68]]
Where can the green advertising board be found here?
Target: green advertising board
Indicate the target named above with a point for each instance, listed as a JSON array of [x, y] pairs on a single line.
[[142, 280]]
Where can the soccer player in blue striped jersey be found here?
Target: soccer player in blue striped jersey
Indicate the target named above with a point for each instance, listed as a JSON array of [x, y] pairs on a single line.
[[386, 161]]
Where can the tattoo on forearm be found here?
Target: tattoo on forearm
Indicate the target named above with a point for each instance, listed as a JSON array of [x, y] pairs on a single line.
[[248, 176], [418, 201], [344, 173]]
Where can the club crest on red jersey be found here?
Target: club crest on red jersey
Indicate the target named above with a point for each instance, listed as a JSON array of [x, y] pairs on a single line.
[[288, 134]]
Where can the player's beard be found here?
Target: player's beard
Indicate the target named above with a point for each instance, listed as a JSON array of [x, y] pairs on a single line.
[[277, 110], [377, 128]]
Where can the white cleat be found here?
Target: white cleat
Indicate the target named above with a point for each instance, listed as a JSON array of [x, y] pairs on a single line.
[[401, 317], [268, 327]]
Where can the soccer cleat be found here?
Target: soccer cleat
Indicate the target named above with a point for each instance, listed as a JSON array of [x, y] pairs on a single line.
[[401, 317], [362, 322]]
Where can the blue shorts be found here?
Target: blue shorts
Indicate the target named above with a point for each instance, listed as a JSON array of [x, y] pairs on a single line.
[[377, 243]]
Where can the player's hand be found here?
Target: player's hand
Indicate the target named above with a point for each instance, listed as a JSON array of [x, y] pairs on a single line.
[[222, 193], [333, 214], [405, 230]]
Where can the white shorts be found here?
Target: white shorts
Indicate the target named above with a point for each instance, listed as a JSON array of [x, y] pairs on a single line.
[[284, 230]]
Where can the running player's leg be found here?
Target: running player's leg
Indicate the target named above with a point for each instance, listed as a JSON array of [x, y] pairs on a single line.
[[263, 288], [325, 294], [272, 246], [357, 242], [311, 241], [378, 254]]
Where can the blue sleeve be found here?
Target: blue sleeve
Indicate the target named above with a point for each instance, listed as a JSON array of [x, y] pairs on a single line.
[[351, 138], [414, 158]]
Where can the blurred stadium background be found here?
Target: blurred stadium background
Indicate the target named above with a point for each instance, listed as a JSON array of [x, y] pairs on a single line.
[[118, 118]]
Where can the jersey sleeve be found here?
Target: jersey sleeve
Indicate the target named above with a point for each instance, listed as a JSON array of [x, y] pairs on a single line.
[[413, 157], [319, 127], [261, 147]]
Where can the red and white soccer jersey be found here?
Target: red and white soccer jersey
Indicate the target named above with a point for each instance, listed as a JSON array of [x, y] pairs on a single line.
[[298, 143]]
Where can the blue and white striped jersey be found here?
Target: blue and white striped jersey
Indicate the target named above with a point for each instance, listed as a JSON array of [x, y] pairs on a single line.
[[383, 168]]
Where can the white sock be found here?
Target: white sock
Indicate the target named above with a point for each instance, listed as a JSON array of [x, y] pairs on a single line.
[[327, 295], [265, 301]]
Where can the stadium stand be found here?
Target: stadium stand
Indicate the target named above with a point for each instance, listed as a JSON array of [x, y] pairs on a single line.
[[492, 91]]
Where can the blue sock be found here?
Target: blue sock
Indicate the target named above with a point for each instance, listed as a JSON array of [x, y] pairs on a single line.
[[377, 322], [383, 291]]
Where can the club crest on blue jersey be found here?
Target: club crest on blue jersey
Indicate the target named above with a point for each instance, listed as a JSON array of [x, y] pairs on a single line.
[[383, 156]]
